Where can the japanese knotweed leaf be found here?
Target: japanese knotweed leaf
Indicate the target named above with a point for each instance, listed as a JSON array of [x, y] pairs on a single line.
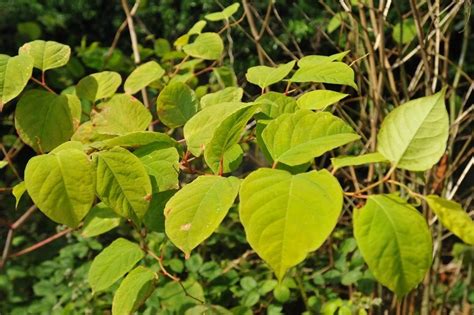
[[287, 216], [312, 60], [453, 217], [137, 139], [394, 240], [123, 183], [99, 220], [229, 94], [14, 75], [222, 149], [342, 161], [264, 76], [176, 104], [142, 76], [196, 210], [301, 136], [274, 104], [133, 291], [46, 54], [207, 46], [62, 185], [112, 263], [319, 99], [224, 14], [414, 135], [326, 72], [18, 191], [98, 85]]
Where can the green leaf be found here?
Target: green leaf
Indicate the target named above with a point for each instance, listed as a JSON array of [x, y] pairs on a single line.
[[46, 54], [394, 240], [123, 183], [453, 217], [336, 21], [274, 104], [312, 60], [137, 139], [120, 115], [299, 137], [18, 191], [43, 120], [196, 210], [3, 164], [176, 104], [287, 216], [414, 135], [207, 46], [229, 94], [69, 145], [173, 297], [133, 291], [112, 263], [264, 76], [161, 162], [319, 99], [100, 220], [208, 309], [326, 72], [99, 85], [224, 14], [142, 76], [225, 137], [197, 28], [14, 75], [404, 32], [61, 184], [200, 129], [342, 161], [154, 219]]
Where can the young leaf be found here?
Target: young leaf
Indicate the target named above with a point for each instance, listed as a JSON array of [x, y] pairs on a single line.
[[196, 210], [100, 220], [264, 76], [326, 72], [225, 137], [46, 54], [176, 104], [414, 135], [133, 291], [142, 76], [274, 104], [18, 191], [14, 75], [120, 115], [112, 263], [394, 240], [61, 184], [99, 85], [207, 46], [43, 120], [287, 216], [453, 217], [229, 94], [123, 183], [312, 60], [224, 14], [299, 137], [342, 161], [319, 99]]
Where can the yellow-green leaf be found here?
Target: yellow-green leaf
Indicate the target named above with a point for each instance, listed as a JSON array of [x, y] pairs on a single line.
[[142, 76], [319, 99], [342, 161], [326, 72], [176, 104], [14, 75], [229, 94], [207, 46], [264, 76], [46, 54], [99, 85], [224, 14], [99, 220]]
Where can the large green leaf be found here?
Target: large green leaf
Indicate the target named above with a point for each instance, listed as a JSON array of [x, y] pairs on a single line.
[[207, 46], [137, 139], [342, 161], [99, 220], [299, 137], [46, 54], [319, 99], [133, 291], [43, 120], [176, 104], [264, 76], [394, 240], [273, 104], [98, 85], [224, 14], [142, 76], [112, 263], [200, 129], [225, 137], [61, 184], [120, 115], [123, 183], [196, 210], [326, 72], [453, 217], [14, 75], [414, 135], [161, 162], [229, 94], [287, 216]]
